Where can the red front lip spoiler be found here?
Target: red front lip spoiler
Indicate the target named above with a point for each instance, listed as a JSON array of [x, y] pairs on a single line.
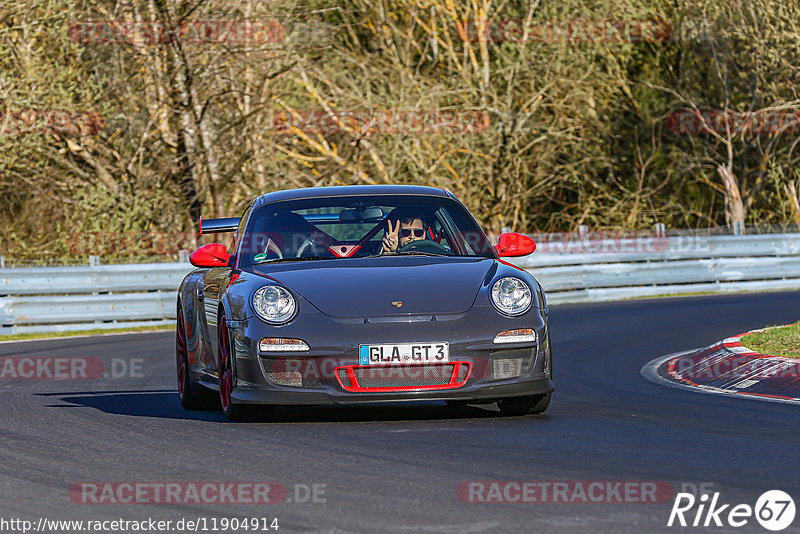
[[356, 388]]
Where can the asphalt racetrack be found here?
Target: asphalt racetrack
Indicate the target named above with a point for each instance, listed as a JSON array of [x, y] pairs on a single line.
[[396, 468]]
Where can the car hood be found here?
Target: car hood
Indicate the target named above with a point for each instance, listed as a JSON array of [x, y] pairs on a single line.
[[368, 287]]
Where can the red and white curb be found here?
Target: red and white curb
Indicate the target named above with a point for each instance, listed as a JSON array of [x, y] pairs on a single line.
[[734, 344], [730, 368]]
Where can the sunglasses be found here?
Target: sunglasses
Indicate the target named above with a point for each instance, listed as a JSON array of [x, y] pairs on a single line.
[[406, 232]]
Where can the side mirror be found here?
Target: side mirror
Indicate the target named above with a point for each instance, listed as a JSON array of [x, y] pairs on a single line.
[[211, 255], [513, 244]]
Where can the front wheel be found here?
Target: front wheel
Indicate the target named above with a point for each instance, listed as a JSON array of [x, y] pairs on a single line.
[[516, 406], [232, 411]]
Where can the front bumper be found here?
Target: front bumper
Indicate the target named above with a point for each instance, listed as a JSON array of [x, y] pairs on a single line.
[[258, 395], [334, 343]]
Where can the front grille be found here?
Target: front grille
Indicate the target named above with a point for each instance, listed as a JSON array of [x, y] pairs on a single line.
[[401, 377], [291, 372], [509, 363]]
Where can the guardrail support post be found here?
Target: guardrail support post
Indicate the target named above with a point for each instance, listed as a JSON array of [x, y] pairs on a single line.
[[2, 262], [183, 256], [738, 228], [583, 231], [661, 230], [94, 261]]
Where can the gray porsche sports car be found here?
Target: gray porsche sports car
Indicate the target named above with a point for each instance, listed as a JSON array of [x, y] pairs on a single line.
[[361, 294]]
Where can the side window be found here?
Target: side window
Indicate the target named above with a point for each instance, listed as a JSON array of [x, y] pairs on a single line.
[[459, 240], [440, 234]]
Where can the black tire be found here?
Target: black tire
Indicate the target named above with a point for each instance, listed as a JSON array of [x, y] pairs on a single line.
[[190, 395], [518, 406], [237, 412], [542, 404], [231, 410]]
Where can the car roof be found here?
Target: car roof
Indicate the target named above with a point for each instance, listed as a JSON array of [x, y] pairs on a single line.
[[351, 190]]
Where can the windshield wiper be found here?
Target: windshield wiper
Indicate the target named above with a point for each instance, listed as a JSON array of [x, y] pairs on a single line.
[[411, 253], [419, 253], [304, 258]]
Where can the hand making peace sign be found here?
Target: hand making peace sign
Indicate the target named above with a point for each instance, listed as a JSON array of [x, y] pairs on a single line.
[[390, 239]]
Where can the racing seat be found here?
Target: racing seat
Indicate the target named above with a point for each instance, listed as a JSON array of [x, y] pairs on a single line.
[[285, 235]]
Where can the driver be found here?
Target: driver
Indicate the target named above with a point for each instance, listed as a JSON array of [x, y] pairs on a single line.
[[409, 228]]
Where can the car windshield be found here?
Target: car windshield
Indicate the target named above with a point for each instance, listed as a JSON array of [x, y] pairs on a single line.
[[339, 228]]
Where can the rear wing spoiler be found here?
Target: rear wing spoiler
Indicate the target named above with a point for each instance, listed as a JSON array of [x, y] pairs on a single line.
[[216, 226]]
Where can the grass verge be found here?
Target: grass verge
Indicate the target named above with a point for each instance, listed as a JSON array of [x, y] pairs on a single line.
[[782, 341], [48, 335]]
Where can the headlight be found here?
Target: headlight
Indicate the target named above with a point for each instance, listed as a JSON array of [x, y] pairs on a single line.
[[511, 296], [274, 304]]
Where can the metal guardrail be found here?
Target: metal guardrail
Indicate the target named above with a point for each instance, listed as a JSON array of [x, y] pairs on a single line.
[[88, 308], [92, 279], [573, 251], [101, 297], [63, 299], [586, 271]]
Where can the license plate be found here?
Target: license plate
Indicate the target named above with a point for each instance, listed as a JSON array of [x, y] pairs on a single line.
[[402, 353]]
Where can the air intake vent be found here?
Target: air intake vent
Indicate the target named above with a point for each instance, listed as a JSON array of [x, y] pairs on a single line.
[[511, 363], [343, 378], [291, 372], [404, 377], [463, 372]]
